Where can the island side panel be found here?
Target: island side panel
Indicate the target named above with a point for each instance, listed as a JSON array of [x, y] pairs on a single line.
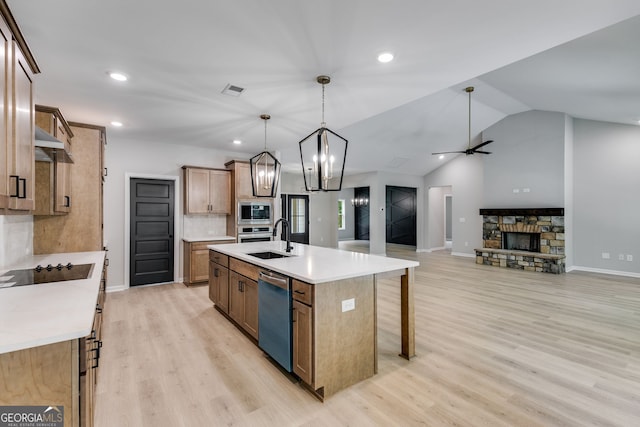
[[345, 346]]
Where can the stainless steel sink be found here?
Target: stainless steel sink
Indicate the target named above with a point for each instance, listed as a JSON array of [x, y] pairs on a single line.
[[268, 255]]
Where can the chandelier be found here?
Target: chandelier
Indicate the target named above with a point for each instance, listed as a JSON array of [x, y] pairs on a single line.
[[265, 169], [323, 154], [360, 202]]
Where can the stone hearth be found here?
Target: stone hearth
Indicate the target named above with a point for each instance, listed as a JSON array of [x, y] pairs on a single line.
[[548, 223]]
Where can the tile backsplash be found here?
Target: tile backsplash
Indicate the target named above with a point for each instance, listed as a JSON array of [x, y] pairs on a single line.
[[204, 225], [16, 239]]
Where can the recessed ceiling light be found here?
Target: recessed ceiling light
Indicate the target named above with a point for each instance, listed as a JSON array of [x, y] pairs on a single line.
[[237, 141], [116, 124], [118, 76], [385, 57], [441, 156]]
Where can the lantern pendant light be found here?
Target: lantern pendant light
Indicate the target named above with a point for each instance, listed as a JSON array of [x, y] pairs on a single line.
[[265, 169], [323, 154]]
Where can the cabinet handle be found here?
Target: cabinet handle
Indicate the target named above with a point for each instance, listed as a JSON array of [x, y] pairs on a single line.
[[17, 186], [67, 201], [216, 273], [106, 172], [293, 315], [241, 286], [298, 292], [96, 349], [24, 188]]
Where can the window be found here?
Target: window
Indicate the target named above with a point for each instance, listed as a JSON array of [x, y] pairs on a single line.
[[341, 214]]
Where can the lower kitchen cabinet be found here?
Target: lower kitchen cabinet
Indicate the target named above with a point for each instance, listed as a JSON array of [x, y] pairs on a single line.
[[243, 302], [219, 280], [303, 341], [196, 261]]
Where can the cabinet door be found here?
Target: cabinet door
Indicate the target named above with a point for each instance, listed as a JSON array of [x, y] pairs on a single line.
[[199, 265], [303, 341], [250, 294], [243, 181], [5, 135], [62, 190], [220, 192], [236, 297], [197, 191], [221, 285], [21, 171]]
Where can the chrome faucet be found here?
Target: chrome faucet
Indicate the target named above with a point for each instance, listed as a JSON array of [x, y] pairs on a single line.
[[287, 232]]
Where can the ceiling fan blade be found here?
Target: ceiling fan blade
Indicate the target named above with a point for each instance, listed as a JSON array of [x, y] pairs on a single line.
[[482, 152], [449, 152], [482, 144]]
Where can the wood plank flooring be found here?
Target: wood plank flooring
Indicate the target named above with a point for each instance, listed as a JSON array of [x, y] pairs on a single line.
[[495, 347]]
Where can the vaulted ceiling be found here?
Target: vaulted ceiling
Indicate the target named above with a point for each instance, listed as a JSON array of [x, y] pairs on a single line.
[[580, 57]]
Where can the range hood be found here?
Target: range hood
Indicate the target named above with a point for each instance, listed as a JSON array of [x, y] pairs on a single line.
[[48, 148]]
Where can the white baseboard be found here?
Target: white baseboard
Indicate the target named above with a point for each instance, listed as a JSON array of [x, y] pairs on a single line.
[[116, 288], [423, 250], [462, 254], [603, 271], [441, 248]]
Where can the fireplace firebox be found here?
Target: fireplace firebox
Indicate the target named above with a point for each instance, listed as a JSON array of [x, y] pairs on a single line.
[[529, 242]]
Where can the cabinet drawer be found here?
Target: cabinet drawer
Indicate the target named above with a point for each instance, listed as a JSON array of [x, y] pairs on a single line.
[[219, 258], [198, 246], [302, 292], [247, 270]]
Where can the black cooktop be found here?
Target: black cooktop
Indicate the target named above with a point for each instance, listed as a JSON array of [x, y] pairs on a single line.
[[47, 274]]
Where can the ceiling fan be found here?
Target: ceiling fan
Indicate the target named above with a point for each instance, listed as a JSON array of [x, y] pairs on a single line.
[[470, 149]]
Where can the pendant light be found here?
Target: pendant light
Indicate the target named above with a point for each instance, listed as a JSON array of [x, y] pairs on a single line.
[[323, 154], [265, 169]]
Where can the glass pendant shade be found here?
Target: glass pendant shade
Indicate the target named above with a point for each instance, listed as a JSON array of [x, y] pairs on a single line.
[[323, 154], [265, 170]]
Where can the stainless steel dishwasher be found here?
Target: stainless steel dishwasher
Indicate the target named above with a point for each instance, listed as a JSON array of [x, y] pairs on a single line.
[[274, 317]]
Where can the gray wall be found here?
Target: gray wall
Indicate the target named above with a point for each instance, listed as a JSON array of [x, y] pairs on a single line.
[[436, 216], [527, 154], [465, 176], [350, 225], [606, 195]]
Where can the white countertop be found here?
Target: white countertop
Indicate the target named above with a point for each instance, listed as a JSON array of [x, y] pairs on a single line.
[[207, 238], [47, 313], [314, 264]]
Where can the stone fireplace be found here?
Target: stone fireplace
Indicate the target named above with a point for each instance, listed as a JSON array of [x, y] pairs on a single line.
[[526, 239]]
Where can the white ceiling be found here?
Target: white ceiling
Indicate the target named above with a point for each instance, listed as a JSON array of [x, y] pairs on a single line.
[[180, 55]]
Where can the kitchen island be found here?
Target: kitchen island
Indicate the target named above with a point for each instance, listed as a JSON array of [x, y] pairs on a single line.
[[334, 305]]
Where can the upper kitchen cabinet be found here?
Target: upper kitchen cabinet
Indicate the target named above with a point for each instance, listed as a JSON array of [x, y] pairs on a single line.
[[17, 186], [53, 174], [241, 177], [83, 225], [207, 191]]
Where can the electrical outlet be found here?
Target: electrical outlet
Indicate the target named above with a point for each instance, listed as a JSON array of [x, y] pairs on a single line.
[[629, 257], [620, 257], [516, 190], [526, 190], [605, 255]]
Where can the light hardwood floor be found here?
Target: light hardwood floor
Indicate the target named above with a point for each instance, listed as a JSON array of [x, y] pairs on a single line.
[[495, 347]]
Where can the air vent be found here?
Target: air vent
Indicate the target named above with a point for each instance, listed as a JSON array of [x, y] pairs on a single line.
[[232, 90]]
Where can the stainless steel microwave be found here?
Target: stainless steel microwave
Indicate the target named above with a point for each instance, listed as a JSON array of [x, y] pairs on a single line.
[[255, 212]]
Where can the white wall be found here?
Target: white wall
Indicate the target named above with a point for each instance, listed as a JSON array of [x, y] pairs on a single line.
[[160, 159], [436, 217], [464, 175], [16, 239], [349, 211], [606, 195], [527, 153]]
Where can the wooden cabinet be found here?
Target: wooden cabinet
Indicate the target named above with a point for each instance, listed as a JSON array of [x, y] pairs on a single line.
[[303, 331], [219, 280], [243, 302], [53, 179], [196, 261], [240, 190], [17, 186], [84, 223], [207, 191]]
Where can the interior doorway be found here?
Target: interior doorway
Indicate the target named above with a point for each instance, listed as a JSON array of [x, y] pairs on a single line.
[[295, 208], [440, 218], [151, 231], [448, 221], [361, 214]]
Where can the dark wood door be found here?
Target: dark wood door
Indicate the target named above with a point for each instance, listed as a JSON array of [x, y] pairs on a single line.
[[401, 215], [295, 208], [361, 214], [151, 219]]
